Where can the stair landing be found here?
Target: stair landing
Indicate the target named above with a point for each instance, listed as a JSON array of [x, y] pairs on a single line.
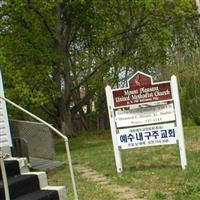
[[44, 164]]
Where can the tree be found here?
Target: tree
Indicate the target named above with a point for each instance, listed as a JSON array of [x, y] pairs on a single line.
[[55, 49]]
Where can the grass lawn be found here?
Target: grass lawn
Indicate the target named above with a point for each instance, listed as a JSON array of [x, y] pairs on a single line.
[[155, 172]]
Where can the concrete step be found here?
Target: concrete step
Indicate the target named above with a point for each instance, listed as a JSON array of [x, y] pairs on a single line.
[[26, 185], [23, 163], [20, 185], [40, 195], [60, 189]]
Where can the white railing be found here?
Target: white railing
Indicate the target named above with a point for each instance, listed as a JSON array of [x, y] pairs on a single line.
[[58, 133]]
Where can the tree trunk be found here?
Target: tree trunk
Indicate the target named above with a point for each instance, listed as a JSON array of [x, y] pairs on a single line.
[[65, 119], [63, 35]]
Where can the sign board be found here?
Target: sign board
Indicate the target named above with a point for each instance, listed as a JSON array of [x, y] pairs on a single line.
[[5, 137], [147, 136], [141, 89], [145, 115], [3, 132]]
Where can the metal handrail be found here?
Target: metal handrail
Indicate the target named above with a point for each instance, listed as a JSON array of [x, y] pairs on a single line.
[[65, 138]]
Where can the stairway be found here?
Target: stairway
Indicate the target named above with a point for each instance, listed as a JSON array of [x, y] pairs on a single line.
[[25, 185]]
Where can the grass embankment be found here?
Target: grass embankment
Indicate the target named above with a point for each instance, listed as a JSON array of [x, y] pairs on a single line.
[[154, 172]]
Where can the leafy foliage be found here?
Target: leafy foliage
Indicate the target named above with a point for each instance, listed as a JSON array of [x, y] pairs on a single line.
[[54, 51]]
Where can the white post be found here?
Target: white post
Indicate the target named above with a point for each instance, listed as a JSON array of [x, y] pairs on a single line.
[[4, 176], [198, 6], [175, 94], [117, 152]]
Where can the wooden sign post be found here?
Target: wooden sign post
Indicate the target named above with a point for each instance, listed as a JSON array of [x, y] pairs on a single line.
[[145, 114]]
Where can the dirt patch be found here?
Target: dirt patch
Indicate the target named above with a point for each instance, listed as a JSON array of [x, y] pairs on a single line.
[[193, 145], [122, 192]]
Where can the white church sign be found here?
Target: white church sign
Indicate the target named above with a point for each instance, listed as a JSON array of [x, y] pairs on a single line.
[[147, 136], [145, 114]]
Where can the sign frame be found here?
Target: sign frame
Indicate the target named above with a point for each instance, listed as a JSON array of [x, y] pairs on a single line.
[[179, 123], [178, 118]]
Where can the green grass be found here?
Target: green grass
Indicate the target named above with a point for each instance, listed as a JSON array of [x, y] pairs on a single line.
[[155, 171], [86, 190]]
